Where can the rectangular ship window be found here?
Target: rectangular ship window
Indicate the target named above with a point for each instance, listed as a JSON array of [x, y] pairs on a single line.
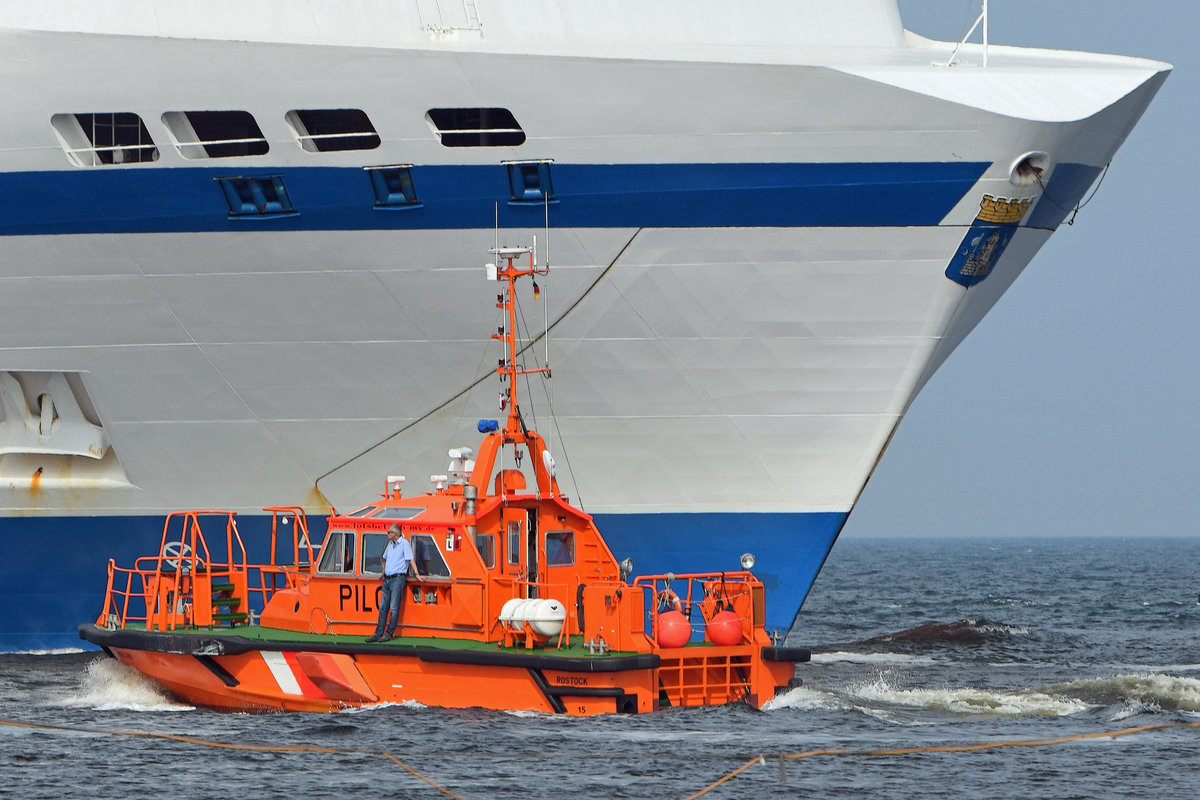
[[337, 553], [486, 543], [514, 543], [215, 134], [399, 512], [372, 553], [259, 196], [93, 140], [560, 548], [427, 558], [529, 182], [475, 127], [393, 187], [324, 130]]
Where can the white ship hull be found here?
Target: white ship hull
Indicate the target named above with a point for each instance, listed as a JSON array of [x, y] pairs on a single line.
[[757, 254]]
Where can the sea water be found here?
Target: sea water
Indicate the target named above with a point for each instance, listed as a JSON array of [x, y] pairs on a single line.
[[916, 644]]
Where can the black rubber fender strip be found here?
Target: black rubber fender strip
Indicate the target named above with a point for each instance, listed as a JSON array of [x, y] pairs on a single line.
[[547, 691], [624, 703], [797, 655], [209, 644], [216, 669]]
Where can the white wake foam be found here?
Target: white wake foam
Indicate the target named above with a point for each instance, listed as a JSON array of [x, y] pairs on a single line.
[[1147, 691], [365, 709], [965, 700], [1134, 708], [109, 685], [805, 698], [1008, 630]]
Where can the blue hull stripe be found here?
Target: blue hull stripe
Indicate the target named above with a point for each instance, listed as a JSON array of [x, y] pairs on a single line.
[[155, 199], [1067, 185], [789, 549], [53, 569]]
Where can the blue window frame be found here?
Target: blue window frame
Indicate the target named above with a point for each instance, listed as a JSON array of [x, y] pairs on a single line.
[[529, 182], [259, 196], [393, 187]]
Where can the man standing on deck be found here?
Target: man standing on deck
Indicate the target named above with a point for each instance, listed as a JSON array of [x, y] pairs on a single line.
[[397, 563]]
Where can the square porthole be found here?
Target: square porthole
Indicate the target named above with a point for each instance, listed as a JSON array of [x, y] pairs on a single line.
[[529, 182], [256, 197], [393, 187]]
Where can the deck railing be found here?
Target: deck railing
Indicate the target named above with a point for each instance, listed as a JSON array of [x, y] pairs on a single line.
[[704, 595], [187, 584]]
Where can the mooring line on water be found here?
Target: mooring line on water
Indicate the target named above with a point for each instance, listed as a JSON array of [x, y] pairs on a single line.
[[937, 748], [730, 776], [404, 766], [759, 759], [262, 748], [965, 748]]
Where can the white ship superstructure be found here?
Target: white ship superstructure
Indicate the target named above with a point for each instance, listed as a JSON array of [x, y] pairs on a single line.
[[768, 223]]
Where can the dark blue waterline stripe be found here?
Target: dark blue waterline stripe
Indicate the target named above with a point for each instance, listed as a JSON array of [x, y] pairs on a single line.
[[53, 569], [1066, 187], [140, 199], [789, 548]]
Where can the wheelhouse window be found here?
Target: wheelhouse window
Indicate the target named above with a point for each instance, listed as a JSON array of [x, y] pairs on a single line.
[[337, 553], [560, 548], [486, 544], [514, 543], [399, 512], [325, 130], [101, 139], [372, 552], [476, 127], [427, 557], [215, 134]]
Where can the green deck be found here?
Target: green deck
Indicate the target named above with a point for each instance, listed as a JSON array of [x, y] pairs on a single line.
[[255, 633]]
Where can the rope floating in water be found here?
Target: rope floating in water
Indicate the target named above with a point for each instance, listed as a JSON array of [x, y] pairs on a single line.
[[759, 759]]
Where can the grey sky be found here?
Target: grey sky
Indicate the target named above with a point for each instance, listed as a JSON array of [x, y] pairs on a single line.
[[1072, 408]]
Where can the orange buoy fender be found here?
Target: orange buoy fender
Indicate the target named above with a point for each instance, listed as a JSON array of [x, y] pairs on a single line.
[[674, 630], [725, 629]]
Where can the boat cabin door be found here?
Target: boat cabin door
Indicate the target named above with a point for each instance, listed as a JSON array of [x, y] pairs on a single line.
[[520, 547]]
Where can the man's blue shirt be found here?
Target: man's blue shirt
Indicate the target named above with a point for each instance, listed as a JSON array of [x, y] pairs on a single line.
[[396, 556]]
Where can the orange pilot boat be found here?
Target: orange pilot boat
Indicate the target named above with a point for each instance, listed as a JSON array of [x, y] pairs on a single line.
[[517, 602]]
